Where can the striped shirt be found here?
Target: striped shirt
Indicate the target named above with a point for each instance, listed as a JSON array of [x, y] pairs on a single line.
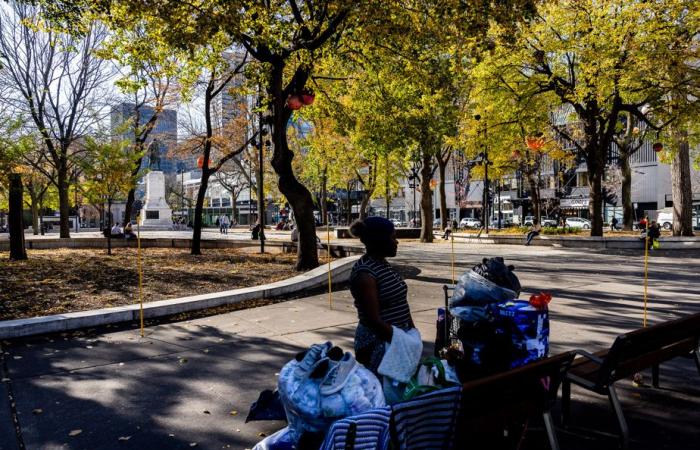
[[392, 292], [427, 422], [366, 431]]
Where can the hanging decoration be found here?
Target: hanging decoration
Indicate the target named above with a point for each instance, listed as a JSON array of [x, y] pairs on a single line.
[[307, 97], [534, 143], [294, 102], [658, 146]]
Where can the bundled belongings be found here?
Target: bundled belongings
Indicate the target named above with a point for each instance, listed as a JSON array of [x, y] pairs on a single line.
[[478, 289], [497, 331], [318, 387]]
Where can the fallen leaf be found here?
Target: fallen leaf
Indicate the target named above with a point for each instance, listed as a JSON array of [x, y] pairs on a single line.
[[124, 438], [261, 434], [37, 411], [74, 433], [234, 413]]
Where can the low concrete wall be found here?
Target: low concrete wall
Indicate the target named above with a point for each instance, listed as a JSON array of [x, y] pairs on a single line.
[[401, 233], [340, 271], [620, 243]]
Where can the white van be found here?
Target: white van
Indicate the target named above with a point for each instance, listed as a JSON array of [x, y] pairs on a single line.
[[665, 218]]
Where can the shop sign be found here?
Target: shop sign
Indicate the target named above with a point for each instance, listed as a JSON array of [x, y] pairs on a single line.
[[575, 203]]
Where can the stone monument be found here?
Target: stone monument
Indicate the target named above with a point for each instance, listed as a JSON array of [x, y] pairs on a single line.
[[155, 212]]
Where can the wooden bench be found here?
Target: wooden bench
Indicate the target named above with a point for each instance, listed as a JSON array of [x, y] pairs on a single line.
[[629, 354], [492, 404]]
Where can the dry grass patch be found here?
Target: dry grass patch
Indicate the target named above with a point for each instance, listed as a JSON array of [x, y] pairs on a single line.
[[69, 280]]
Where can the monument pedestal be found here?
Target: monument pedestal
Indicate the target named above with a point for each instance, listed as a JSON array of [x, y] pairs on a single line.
[[155, 212]]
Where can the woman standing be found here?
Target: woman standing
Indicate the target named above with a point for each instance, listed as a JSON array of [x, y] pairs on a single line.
[[379, 291]]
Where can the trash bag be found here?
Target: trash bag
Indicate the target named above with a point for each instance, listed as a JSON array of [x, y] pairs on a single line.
[[473, 290], [496, 271], [281, 440], [268, 406]]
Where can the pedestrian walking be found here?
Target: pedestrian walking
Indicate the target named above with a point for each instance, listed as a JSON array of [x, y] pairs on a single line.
[[613, 224], [223, 224]]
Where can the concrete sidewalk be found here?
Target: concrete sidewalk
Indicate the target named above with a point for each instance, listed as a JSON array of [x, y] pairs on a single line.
[[192, 382]]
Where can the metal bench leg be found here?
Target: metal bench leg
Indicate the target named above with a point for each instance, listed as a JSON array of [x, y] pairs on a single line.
[[617, 407], [655, 375], [551, 432], [565, 403]]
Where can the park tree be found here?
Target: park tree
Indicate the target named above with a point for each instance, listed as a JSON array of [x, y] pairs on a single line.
[[151, 75], [594, 57], [215, 143], [13, 145], [54, 79], [108, 168]]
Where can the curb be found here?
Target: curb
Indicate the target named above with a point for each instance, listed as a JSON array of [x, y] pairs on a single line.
[[592, 242], [318, 277]]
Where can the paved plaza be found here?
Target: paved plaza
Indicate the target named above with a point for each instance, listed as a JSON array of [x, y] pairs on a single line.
[[190, 383]]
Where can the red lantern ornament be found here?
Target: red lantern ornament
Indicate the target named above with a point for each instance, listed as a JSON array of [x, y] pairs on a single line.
[[294, 102], [307, 97], [658, 146], [534, 143], [200, 162]]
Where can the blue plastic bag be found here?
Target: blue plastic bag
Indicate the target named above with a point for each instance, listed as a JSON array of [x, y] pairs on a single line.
[[281, 440]]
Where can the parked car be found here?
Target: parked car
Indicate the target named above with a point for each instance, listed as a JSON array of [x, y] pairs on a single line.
[[544, 221], [505, 223], [665, 219], [577, 222], [397, 223], [470, 222]]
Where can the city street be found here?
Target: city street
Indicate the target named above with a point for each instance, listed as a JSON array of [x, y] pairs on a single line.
[[191, 383]]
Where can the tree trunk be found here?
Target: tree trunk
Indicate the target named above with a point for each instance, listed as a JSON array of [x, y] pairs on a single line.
[[297, 195], [426, 198], [534, 195], [681, 188], [442, 166], [15, 219], [35, 213], [595, 207], [323, 201], [198, 210], [63, 199], [109, 226], [364, 205], [387, 191], [627, 207]]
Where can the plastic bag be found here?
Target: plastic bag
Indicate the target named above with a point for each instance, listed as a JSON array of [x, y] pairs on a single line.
[[281, 440], [268, 406], [474, 290], [656, 244]]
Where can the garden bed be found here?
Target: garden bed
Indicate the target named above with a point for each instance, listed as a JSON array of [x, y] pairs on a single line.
[[68, 280]]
